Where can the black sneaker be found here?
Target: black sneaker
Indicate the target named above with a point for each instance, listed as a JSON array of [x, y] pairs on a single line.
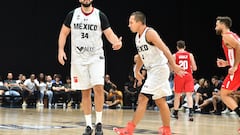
[[98, 129], [174, 114], [190, 117], [88, 131]]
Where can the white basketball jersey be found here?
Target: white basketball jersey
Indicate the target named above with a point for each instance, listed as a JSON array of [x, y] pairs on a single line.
[[86, 36], [151, 55]]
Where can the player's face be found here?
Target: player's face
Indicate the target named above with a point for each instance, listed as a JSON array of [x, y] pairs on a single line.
[[218, 28], [132, 24], [86, 3]]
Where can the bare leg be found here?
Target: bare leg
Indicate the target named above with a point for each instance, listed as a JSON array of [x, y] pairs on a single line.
[[189, 99], [164, 111], [197, 98], [86, 101], [98, 98], [177, 100], [141, 108], [214, 101], [227, 99], [205, 103]]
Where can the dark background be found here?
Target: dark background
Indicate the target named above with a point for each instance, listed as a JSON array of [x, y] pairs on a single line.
[[30, 28]]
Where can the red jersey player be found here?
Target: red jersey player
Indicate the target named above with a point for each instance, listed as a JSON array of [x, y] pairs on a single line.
[[184, 84], [231, 47]]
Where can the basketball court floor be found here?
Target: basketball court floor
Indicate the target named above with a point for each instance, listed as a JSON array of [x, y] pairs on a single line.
[[32, 121]]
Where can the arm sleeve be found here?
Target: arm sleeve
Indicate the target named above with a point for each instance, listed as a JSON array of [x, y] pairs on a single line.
[[104, 21], [68, 19]]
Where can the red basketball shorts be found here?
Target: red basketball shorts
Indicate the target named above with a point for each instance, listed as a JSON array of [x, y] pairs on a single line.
[[183, 84], [232, 82]]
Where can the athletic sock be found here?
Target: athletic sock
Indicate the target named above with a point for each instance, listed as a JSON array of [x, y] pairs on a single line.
[[88, 119], [98, 117]]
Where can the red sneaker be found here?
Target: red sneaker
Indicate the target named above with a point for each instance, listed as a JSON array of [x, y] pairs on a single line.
[[164, 130], [128, 130]]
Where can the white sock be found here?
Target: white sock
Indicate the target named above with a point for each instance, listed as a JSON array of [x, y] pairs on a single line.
[[98, 117], [88, 119]]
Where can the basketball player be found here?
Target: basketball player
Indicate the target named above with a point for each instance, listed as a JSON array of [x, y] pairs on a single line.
[[231, 48], [184, 84], [154, 55], [87, 24]]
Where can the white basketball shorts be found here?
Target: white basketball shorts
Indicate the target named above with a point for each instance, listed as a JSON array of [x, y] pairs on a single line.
[[157, 83], [86, 76]]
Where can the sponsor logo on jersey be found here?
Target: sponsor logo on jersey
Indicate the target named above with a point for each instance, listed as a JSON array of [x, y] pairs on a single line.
[[81, 49]]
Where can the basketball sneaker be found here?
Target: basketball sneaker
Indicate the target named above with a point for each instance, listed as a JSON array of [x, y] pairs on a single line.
[[98, 129], [174, 114], [190, 117], [128, 130], [165, 130], [88, 131]]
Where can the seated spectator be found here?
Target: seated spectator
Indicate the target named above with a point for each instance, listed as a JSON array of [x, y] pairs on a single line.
[[70, 93], [130, 92], [42, 88], [1, 84], [205, 94], [198, 96], [117, 99], [108, 86], [49, 91], [2, 90], [216, 98], [30, 90], [10, 83], [59, 94]]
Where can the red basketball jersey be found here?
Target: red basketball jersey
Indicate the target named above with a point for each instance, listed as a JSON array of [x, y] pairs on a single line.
[[231, 82], [230, 52], [183, 59]]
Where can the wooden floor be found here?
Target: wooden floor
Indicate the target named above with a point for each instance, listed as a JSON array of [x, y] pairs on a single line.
[[32, 121]]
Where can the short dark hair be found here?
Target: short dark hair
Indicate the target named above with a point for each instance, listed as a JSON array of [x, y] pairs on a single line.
[[139, 16], [181, 44], [215, 77], [225, 20]]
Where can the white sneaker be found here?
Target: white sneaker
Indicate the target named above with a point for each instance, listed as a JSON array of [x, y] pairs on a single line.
[[185, 105], [41, 105], [233, 113], [198, 110], [24, 104], [226, 111]]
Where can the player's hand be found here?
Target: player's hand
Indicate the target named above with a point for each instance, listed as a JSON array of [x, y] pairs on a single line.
[[139, 77], [62, 57], [221, 63], [118, 44], [179, 70], [232, 70]]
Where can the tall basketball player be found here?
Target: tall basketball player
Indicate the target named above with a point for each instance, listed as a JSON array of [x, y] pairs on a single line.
[[154, 55], [184, 84], [231, 48], [87, 24]]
